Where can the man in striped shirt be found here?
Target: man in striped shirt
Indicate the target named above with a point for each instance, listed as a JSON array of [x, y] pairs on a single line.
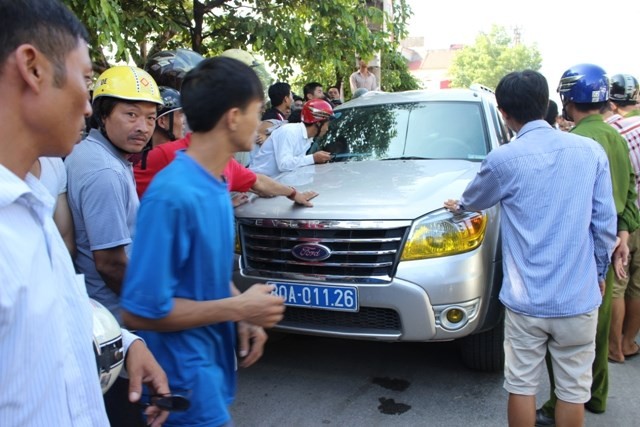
[[558, 232], [625, 304], [48, 372]]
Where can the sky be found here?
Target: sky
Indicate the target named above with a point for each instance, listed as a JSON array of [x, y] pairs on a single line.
[[565, 33]]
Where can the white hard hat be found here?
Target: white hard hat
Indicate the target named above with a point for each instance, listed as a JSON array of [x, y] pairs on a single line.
[[107, 345]]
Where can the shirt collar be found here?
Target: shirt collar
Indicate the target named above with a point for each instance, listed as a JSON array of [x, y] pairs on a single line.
[[96, 136], [592, 118], [305, 132], [614, 118], [12, 188], [533, 125]]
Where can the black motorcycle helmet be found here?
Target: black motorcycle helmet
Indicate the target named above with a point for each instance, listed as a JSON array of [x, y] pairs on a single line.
[[168, 67], [623, 88]]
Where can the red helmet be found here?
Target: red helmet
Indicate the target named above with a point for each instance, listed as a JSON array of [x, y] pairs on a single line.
[[316, 111]]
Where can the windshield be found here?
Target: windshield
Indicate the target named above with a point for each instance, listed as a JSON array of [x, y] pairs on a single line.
[[429, 130]]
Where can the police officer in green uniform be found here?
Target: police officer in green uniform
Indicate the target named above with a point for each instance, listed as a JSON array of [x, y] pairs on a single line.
[[584, 91]]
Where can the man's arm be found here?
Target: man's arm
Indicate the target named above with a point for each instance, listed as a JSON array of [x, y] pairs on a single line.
[[256, 306], [268, 187], [149, 299], [142, 368], [352, 83], [64, 221], [484, 191], [288, 154], [603, 219], [628, 219], [111, 264], [105, 201]]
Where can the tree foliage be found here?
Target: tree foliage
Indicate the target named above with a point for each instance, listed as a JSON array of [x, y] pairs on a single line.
[[320, 39], [491, 57]]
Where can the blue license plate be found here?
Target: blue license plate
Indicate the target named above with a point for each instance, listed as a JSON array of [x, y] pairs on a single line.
[[342, 298]]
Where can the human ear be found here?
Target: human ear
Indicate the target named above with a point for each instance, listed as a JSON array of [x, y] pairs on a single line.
[[32, 66], [162, 122], [233, 119]]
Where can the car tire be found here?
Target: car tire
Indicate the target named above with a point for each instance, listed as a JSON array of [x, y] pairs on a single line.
[[484, 351]]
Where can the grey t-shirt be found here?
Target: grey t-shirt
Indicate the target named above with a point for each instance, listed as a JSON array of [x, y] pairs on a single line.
[[103, 201]]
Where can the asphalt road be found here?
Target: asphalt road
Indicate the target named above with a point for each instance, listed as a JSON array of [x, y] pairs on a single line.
[[313, 381]]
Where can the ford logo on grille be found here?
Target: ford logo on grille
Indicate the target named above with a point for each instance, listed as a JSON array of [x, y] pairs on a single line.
[[311, 252]]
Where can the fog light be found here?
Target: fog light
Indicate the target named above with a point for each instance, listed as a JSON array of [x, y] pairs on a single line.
[[455, 315], [454, 318]]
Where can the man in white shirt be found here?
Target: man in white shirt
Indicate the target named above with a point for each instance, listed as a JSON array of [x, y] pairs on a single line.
[[48, 368], [363, 78], [286, 149]]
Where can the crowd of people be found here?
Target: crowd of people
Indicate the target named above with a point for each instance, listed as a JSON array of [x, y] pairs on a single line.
[[148, 192], [570, 196]]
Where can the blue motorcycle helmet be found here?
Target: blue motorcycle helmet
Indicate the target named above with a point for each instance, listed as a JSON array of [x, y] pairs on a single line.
[[584, 84]]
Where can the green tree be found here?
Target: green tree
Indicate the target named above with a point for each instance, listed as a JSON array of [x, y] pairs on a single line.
[[319, 38], [395, 74], [491, 57]]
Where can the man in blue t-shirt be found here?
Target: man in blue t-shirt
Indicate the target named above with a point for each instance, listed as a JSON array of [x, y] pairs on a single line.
[[178, 288]]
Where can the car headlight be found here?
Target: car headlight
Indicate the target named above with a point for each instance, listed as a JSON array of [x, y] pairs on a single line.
[[442, 234]]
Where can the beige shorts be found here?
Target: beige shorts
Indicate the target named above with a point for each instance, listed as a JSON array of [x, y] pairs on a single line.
[[630, 287], [571, 343]]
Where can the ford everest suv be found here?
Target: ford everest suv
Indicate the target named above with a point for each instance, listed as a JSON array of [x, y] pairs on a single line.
[[377, 257]]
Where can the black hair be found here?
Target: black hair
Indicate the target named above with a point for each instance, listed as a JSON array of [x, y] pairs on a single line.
[[552, 113], [295, 116], [215, 86], [523, 95], [278, 92], [590, 106], [102, 108], [48, 25], [628, 103], [309, 88]]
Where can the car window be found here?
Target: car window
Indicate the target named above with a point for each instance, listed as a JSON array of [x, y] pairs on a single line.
[[447, 130], [434, 130], [366, 133]]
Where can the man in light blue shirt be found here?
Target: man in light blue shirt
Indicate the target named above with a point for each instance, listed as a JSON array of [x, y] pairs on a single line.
[[558, 225], [101, 187]]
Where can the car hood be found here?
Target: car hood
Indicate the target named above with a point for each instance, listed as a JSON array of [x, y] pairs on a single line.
[[377, 190]]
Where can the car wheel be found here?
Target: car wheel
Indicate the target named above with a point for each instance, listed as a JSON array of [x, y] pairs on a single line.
[[484, 351]]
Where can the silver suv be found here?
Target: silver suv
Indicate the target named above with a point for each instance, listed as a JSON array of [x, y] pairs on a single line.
[[377, 257]]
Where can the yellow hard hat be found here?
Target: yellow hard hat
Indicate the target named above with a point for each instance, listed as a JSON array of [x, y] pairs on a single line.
[[249, 60], [128, 83]]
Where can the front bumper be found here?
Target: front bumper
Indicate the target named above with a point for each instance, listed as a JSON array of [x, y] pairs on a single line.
[[412, 307]]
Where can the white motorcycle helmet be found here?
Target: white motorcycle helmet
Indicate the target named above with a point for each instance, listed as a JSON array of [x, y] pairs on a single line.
[[107, 345]]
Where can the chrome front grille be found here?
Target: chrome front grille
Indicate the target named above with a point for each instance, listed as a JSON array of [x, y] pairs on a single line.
[[361, 251]]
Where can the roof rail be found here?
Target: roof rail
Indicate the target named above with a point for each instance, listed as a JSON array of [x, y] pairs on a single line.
[[478, 87]]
